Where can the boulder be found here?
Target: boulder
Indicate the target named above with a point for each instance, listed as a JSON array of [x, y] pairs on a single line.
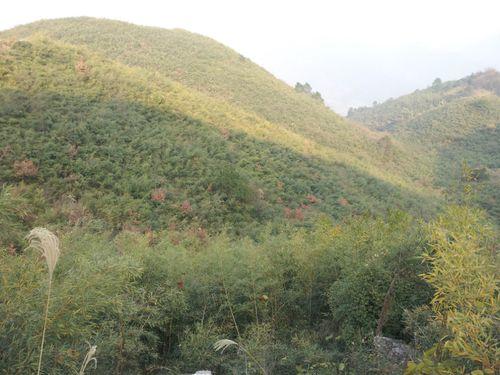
[[392, 350]]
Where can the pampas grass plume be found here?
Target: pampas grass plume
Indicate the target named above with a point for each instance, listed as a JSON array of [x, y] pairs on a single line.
[[47, 243]]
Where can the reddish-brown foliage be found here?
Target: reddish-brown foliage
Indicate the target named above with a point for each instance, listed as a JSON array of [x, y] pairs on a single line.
[[343, 202], [4, 46], [201, 233], [312, 199], [299, 215], [186, 207], [11, 249], [81, 66], [287, 212], [25, 168], [225, 133], [158, 195]]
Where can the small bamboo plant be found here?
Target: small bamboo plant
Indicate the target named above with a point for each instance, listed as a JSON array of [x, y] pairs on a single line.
[[223, 344]]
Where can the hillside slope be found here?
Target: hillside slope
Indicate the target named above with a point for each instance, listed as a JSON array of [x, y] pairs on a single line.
[[138, 149], [208, 67], [200, 63], [453, 123]]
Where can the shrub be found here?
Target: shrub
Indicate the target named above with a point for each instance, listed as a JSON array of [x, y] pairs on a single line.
[[25, 168]]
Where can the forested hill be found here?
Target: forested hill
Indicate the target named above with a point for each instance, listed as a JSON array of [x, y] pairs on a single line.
[[452, 123], [208, 67], [204, 65], [140, 126]]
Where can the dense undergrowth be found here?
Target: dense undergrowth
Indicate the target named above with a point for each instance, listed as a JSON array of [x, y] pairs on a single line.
[[300, 300], [221, 86]]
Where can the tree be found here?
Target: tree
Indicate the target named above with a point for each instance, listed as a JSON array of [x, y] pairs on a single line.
[[437, 82], [316, 95], [305, 88]]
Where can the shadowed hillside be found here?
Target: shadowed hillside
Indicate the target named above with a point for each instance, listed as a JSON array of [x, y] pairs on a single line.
[[139, 151], [208, 67], [139, 144]]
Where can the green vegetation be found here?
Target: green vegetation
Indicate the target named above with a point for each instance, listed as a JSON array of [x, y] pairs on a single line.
[[465, 304], [160, 302], [452, 123], [204, 65], [87, 129], [243, 94], [307, 89], [298, 300], [212, 217]]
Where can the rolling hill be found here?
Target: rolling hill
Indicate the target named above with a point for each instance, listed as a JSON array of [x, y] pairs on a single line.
[[204, 65], [452, 123], [154, 127]]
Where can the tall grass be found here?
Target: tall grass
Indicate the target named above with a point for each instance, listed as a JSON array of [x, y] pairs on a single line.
[[223, 344], [89, 357], [47, 243]]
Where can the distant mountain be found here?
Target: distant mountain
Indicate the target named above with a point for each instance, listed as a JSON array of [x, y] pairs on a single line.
[[452, 122], [151, 127]]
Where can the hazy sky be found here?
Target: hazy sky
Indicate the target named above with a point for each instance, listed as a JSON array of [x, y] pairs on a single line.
[[352, 51]]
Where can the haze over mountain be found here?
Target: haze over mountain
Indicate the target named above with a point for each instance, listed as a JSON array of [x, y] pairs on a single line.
[[354, 77]]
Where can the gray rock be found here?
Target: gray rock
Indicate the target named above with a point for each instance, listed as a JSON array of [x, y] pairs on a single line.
[[394, 351]]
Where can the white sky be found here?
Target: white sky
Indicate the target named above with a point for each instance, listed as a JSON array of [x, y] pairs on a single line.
[[352, 51]]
